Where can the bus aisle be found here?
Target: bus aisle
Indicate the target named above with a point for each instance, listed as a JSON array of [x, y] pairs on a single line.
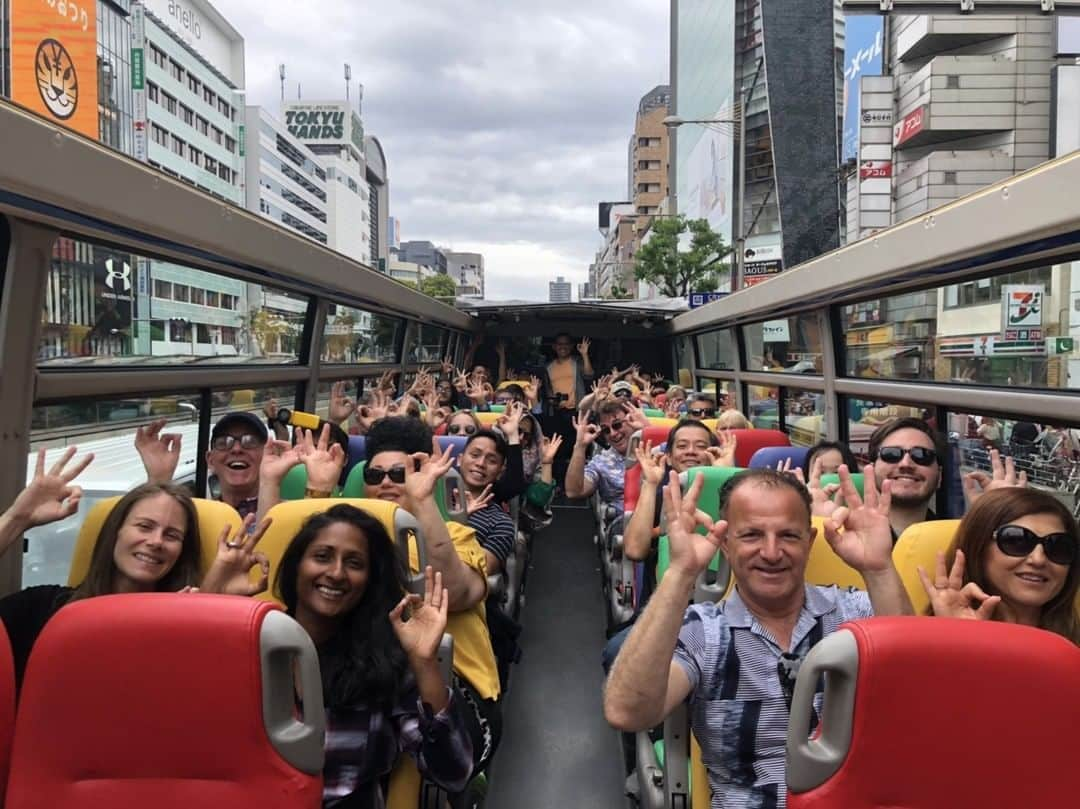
[[557, 750]]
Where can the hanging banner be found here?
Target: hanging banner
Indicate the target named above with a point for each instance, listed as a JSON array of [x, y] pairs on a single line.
[[54, 61]]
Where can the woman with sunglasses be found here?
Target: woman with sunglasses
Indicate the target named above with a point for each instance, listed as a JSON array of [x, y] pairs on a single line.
[[463, 423], [342, 580], [1017, 550]]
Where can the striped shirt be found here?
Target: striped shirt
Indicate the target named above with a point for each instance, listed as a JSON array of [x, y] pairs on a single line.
[[738, 709], [494, 531]]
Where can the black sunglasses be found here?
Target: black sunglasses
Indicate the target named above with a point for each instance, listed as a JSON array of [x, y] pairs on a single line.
[[920, 455], [223, 443], [615, 425], [373, 476], [623, 393], [702, 413], [1016, 540], [461, 429]]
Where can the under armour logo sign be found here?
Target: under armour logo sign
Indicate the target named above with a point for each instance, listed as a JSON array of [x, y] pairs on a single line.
[[124, 274]]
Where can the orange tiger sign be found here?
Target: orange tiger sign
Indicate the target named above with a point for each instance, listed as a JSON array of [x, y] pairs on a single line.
[[54, 61]]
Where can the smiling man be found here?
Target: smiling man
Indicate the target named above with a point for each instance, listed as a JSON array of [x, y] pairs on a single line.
[[911, 454], [735, 661], [481, 464]]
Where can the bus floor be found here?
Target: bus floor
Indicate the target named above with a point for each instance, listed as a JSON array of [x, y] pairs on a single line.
[[557, 750]]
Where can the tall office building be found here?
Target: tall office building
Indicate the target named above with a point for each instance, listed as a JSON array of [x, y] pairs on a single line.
[[467, 270], [424, 253], [189, 117], [649, 152], [378, 202], [285, 181], [781, 61], [560, 290]]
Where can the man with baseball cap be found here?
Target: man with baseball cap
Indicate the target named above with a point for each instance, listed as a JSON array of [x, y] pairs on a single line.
[[234, 456]]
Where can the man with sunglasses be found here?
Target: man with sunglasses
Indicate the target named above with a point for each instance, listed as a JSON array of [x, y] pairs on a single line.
[[235, 455], [909, 453], [699, 406], [734, 662], [605, 472]]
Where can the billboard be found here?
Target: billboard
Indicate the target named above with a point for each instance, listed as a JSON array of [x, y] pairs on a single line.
[[863, 54], [199, 26], [54, 61], [324, 122]]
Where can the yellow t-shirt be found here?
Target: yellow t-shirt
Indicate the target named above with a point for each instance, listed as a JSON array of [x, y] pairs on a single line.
[[473, 658], [564, 380]]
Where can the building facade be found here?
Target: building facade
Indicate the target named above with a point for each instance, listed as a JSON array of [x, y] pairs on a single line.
[[560, 290], [777, 63], [285, 181], [425, 253], [649, 152], [378, 202], [467, 270]]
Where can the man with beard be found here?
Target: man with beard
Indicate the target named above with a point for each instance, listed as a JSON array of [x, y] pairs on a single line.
[[911, 454]]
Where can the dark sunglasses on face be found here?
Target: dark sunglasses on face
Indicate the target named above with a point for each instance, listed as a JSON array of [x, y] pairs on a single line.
[[461, 429], [702, 412], [373, 476], [606, 429], [920, 455], [1015, 540], [623, 393], [223, 443]]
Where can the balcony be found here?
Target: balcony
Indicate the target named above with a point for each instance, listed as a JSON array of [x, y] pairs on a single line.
[[921, 36]]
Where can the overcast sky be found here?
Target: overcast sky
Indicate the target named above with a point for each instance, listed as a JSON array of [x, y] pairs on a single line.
[[503, 122]]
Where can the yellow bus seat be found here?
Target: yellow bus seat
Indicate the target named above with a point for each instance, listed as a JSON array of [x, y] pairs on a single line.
[[662, 421], [523, 383], [213, 517], [487, 419], [288, 517], [918, 547]]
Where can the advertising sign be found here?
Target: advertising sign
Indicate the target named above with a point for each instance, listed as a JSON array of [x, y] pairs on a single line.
[[54, 61], [762, 263], [701, 298], [863, 36], [775, 331], [138, 81], [1022, 306], [324, 122], [911, 126], [202, 29]]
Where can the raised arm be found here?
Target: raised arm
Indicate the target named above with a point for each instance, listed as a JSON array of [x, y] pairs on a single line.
[[577, 485], [466, 586], [638, 534], [866, 541], [646, 684], [49, 497], [159, 452]]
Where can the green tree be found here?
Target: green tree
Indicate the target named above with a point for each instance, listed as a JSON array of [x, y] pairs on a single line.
[[677, 273], [438, 286], [620, 293]]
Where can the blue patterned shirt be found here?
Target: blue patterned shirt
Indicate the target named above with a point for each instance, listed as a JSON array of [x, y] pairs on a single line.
[[738, 709], [607, 472]]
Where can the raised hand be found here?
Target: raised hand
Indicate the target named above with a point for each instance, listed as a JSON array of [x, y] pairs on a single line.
[[583, 347], [690, 552], [236, 557], [866, 540], [532, 391], [377, 408], [421, 634], [323, 459], [160, 452], [386, 381], [447, 366], [278, 458], [476, 391], [951, 598], [978, 483], [422, 472], [509, 422], [50, 495], [341, 405], [550, 448], [587, 432], [723, 454], [652, 466], [461, 381], [822, 502], [478, 502], [636, 416]]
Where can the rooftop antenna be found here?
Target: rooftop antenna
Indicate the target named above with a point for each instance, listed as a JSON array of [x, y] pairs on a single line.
[[360, 99], [348, 78], [298, 91], [281, 74]]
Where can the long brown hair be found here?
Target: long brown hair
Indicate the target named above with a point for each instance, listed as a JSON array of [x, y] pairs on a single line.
[[1000, 507], [100, 577]]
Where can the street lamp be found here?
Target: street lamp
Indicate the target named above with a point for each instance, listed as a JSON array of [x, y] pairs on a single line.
[[722, 125]]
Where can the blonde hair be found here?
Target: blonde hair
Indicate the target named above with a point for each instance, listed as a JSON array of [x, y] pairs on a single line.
[[733, 420]]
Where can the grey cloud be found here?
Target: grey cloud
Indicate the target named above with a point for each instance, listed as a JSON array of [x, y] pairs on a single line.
[[504, 123]]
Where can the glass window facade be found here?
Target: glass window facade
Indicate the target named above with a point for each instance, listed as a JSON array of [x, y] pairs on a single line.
[[789, 345], [115, 102], [716, 350], [1014, 330], [353, 335]]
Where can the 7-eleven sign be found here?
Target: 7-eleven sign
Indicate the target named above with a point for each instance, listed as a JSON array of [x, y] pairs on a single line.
[[1022, 306]]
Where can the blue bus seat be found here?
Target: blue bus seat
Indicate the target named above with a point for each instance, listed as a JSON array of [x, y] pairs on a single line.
[[769, 457]]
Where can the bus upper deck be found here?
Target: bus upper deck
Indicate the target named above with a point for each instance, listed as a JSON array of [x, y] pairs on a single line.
[[964, 316]]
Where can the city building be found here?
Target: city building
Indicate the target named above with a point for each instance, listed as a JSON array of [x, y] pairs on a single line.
[[409, 271], [560, 290], [423, 252], [612, 273], [393, 232], [733, 59], [285, 181], [467, 270], [649, 152], [333, 131], [378, 202], [962, 103], [189, 119]]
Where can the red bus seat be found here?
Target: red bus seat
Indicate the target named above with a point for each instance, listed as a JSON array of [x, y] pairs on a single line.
[[7, 707], [171, 701], [936, 713], [750, 441]]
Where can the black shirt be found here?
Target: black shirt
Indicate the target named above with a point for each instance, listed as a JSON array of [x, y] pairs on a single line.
[[25, 614]]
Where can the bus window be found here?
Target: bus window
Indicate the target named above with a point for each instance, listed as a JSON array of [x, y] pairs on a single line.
[[353, 335], [804, 416], [764, 410], [863, 417], [789, 345], [716, 350]]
